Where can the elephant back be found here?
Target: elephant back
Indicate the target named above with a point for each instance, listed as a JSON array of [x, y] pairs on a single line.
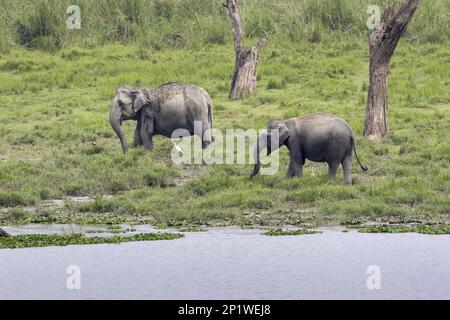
[[172, 96]]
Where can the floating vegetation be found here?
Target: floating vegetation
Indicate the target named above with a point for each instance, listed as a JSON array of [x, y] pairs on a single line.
[[191, 228], [298, 232], [116, 229], [43, 240], [424, 229]]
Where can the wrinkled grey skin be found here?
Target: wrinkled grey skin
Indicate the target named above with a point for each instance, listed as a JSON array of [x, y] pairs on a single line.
[[318, 137], [161, 111]]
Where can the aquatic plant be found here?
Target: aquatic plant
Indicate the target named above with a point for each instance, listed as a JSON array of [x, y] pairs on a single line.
[[43, 240]]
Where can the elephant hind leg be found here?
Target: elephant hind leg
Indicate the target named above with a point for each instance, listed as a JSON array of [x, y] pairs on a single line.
[[332, 169], [207, 138], [205, 144], [347, 165], [202, 129]]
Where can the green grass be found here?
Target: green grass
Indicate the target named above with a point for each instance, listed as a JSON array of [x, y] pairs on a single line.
[[42, 240], [56, 142]]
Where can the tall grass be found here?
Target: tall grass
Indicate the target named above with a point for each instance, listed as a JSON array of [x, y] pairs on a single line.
[[191, 23]]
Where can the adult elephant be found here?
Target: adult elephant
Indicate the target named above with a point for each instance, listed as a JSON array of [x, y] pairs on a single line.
[[318, 137], [161, 111]]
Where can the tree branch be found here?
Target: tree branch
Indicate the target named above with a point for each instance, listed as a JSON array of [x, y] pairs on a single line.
[[384, 40], [236, 24]]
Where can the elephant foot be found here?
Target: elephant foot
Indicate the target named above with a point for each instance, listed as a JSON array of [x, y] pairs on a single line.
[[206, 144], [292, 175]]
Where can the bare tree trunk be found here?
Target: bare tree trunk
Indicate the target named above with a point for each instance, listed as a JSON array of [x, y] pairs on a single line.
[[245, 72], [382, 44]]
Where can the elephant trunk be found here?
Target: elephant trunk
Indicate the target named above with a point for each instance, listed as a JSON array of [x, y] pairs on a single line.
[[257, 157], [256, 169], [115, 116]]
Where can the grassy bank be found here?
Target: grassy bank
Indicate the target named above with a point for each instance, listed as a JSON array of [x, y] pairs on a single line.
[[56, 142]]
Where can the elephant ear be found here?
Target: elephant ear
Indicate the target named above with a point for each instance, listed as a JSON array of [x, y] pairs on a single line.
[[284, 133], [140, 101]]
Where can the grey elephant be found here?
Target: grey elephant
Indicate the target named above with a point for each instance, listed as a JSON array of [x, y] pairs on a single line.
[[319, 137], [161, 111]]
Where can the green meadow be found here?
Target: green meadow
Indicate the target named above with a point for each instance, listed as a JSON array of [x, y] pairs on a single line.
[[56, 141]]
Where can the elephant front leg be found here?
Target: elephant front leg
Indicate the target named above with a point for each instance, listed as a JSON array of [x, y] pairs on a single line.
[[147, 134], [148, 141], [137, 134], [295, 167]]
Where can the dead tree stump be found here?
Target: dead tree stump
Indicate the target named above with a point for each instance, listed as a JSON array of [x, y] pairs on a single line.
[[245, 71], [382, 44]]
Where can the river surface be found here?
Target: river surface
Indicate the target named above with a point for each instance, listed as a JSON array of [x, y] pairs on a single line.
[[230, 263]]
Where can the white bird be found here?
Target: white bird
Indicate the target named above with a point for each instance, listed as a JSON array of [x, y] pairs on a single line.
[[178, 148]]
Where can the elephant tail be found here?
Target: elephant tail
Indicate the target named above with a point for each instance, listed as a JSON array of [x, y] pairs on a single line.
[[210, 116], [364, 168]]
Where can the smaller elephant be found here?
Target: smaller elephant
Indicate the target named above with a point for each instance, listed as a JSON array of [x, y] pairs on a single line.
[[319, 137], [161, 111]]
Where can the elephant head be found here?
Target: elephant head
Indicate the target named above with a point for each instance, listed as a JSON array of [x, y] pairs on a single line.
[[125, 106], [272, 138]]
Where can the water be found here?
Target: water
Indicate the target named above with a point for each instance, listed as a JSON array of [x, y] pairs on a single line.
[[229, 263]]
